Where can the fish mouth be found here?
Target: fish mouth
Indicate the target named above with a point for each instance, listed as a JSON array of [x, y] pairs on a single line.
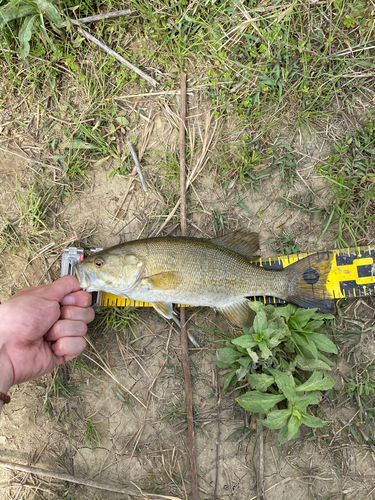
[[85, 277]]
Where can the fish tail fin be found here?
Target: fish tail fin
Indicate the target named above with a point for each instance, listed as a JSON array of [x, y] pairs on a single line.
[[307, 282]]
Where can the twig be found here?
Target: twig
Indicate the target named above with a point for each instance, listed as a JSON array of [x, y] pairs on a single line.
[[218, 433], [117, 56], [138, 165], [99, 17], [84, 482], [260, 468], [29, 159], [182, 155], [184, 343]]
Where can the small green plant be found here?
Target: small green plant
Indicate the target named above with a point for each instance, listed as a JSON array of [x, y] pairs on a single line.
[[32, 13], [276, 356], [92, 436]]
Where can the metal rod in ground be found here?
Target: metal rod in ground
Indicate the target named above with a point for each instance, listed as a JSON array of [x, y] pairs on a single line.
[[138, 165], [99, 17], [117, 56], [184, 342]]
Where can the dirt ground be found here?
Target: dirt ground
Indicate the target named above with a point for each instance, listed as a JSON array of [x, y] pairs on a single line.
[[141, 438]]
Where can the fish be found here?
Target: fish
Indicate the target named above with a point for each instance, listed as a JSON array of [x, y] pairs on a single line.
[[219, 273]]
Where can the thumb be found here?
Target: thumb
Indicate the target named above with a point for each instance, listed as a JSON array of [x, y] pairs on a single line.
[[61, 287]]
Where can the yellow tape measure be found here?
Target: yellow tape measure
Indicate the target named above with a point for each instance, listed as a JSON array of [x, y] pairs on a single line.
[[352, 275]]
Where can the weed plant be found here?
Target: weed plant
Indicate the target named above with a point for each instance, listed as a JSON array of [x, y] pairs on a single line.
[[281, 358]]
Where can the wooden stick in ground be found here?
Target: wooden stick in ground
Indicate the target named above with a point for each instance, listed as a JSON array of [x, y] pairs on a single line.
[[260, 467], [184, 344], [117, 56], [138, 166], [84, 482], [99, 17]]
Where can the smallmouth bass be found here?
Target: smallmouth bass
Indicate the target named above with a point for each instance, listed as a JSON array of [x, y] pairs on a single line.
[[216, 273]]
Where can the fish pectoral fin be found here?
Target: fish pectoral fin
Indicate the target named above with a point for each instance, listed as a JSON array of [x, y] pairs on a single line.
[[168, 280], [242, 241], [165, 309], [238, 313]]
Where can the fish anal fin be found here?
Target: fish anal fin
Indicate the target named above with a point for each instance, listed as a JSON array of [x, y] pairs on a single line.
[[242, 241], [307, 282], [238, 313], [165, 309]]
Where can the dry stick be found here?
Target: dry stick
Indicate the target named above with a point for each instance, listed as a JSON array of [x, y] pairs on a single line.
[[260, 468], [99, 17], [218, 433], [117, 56], [184, 344], [138, 165], [84, 482]]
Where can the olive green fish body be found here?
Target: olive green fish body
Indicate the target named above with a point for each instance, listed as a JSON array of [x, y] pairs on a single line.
[[217, 273]]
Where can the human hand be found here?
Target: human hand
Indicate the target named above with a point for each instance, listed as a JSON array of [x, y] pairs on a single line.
[[40, 328]]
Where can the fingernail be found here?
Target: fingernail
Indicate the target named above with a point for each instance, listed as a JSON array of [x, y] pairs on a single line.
[[68, 300]]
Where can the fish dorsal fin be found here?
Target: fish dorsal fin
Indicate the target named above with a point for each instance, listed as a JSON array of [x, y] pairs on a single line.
[[238, 313], [242, 241]]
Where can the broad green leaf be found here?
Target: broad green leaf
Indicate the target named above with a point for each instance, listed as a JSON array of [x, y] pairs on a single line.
[[310, 365], [242, 371], [302, 402], [286, 311], [260, 321], [50, 11], [244, 361], [228, 379], [253, 355], [277, 419], [283, 434], [285, 383], [325, 359], [25, 35], [311, 421], [256, 306], [266, 353], [226, 356], [322, 342], [302, 341], [259, 402], [245, 341], [316, 383], [8, 14], [302, 316], [293, 426], [315, 324], [260, 381]]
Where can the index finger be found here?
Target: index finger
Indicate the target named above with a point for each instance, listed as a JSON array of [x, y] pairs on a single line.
[[62, 287]]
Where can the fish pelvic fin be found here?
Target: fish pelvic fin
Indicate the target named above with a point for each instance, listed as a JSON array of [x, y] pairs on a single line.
[[242, 241], [165, 309], [307, 282], [238, 313]]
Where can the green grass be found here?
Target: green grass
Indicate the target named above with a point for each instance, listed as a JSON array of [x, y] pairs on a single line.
[[350, 171]]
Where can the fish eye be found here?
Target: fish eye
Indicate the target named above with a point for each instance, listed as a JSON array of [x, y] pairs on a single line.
[[99, 262]]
